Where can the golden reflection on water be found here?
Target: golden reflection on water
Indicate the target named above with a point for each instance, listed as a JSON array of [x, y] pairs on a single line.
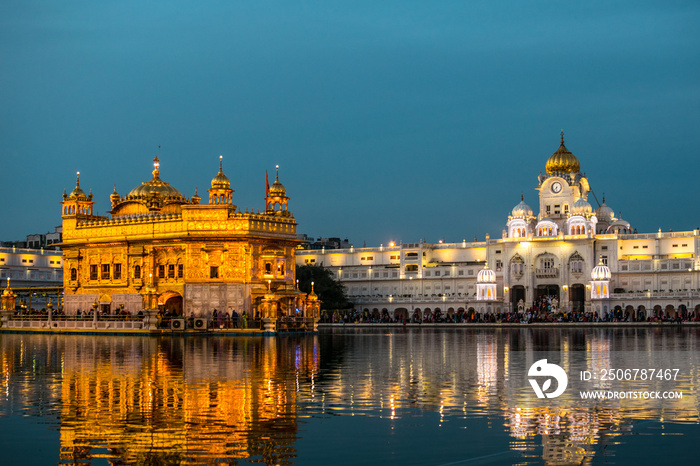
[[484, 372], [138, 400], [221, 399]]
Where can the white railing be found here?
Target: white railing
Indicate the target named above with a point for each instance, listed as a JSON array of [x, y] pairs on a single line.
[[410, 299], [41, 252], [669, 234], [547, 273], [691, 294], [68, 324]]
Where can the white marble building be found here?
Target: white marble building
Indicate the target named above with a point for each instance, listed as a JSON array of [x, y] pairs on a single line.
[[551, 253]]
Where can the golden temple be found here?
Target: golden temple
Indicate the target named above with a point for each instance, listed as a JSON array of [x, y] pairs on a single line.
[[161, 250]]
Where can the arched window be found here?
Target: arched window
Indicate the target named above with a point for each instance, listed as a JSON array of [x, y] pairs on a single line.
[[73, 274], [137, 271]]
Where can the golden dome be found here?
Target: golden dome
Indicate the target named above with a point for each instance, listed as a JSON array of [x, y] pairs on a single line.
[[160, 187], [220, 181], [563, 161], [277, 188], [77, 192]]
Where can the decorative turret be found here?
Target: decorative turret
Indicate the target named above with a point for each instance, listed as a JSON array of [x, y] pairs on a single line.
[[522, 210], [8, 298], [520, 221], [276, 199], [313, 307], [77, 203], [486, 284], [114, 197], [600, 281], [221, 192]]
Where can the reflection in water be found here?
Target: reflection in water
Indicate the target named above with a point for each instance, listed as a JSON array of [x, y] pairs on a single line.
[[162, 401], [200, 400], [481, 372]]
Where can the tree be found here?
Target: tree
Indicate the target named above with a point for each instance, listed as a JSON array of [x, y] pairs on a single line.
[[330, 291]]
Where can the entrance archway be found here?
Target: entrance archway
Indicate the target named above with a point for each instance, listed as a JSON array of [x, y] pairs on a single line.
[[578, 297], [547, 290], [171, 301], [517, 293]]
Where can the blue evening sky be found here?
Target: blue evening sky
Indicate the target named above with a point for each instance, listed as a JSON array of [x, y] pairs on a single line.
[[390, 120]]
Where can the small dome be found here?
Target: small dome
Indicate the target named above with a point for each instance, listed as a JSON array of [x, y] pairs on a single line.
[[600, 272], [486, 275], [563, 161], [521, 210], [220, 181], [620, 226], [77, 192], [605, 213], [581, 207], [277, 188]]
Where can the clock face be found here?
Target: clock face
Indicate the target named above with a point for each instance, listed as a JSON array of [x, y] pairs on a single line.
[[556, 187]]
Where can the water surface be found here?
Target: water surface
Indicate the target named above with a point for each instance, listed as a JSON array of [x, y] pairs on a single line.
[[345, 396]]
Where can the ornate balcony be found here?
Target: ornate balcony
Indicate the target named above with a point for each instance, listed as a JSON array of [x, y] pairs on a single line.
[[550, 272]]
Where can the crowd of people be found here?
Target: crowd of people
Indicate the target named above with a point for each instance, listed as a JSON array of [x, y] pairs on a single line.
[[544, 309], [219, 319], [58, 314]]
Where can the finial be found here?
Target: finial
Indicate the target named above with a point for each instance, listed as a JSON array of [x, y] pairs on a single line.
[[195, 191], [522, 199], [603, 198], [221, 163], [562, 137], [115, 188], [77, 179], [277, 177], [156, 165], [312, 287]]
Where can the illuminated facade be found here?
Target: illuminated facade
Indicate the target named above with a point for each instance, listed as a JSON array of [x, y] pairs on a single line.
[[552, 253], [159, 248], [31, 267]]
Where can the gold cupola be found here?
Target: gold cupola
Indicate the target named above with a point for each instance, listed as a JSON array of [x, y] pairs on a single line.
[[77, 192], [563, 161], [221, 192], [77, 203], [276, 200], [277, 188], [220, 181]]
